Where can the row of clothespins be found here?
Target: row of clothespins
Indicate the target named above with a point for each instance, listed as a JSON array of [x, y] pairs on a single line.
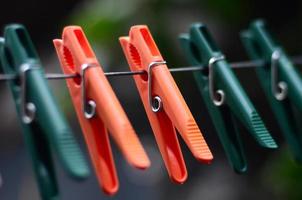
[[99, 111]]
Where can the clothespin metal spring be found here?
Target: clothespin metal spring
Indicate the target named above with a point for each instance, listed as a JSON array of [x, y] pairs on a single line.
[[88, 112], [279, 89], [156, 103], [28, 109], [214, 94]]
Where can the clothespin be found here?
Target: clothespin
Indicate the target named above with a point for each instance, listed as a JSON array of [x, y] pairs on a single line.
[[44, 127], [164, 104], [98, 109], [224, 97], [280, 81]]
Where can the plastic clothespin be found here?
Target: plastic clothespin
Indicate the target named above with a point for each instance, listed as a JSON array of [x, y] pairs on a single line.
[[224, 97], [280, 81], [164, 104], [98, 109], [44, 127]]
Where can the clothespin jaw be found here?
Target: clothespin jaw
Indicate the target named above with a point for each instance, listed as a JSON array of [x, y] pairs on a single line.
[[43, 125], [97, 108], [163, 102], [221, 116], [227, 101], [280, 81]]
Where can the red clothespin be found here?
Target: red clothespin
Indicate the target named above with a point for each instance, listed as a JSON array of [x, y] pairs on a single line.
[[97, 108], [164, 104]]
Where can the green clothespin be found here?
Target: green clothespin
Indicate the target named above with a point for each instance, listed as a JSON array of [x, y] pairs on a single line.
[[43, 124], [280, 81], [224, 97]]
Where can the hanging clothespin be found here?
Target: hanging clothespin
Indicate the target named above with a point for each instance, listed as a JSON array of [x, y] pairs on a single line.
[[97, 108], [164, 104], [44, 127], [280, 81], [224, 97]]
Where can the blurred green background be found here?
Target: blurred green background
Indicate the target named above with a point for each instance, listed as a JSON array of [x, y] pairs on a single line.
[[271, 175]]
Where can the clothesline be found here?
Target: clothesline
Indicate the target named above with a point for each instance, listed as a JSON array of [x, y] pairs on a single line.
[[235, 65]]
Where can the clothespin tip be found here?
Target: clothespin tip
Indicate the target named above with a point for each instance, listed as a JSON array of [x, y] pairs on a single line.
[[263, 136]]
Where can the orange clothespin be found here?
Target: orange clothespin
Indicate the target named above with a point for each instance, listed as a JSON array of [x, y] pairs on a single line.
[[164, 104], [97, 108]]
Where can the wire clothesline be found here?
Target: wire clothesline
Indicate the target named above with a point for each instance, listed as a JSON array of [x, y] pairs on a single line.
[[235, 65]]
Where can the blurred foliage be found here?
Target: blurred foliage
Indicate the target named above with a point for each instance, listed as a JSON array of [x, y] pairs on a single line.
[[229, 10], [106, 20], [103, 19], [283, 176]]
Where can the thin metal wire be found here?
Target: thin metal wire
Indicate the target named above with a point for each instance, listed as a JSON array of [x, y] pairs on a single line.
[[297, 60], [247, 64], [187, 69], [53, 76], [6, 77], [1, 181], [128, 73], [235, 65]]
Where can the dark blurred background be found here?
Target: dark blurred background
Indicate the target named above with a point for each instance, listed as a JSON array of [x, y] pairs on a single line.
[[272, 174]]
